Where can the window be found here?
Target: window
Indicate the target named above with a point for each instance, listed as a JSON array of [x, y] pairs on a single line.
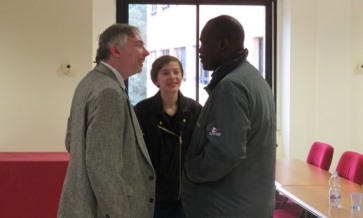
[[258, 54], [203, 76], [165, 7], [176, 32], [180, 54], [154, 9], [164, 52]]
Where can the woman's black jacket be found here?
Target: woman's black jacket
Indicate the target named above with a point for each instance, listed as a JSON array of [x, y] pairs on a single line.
[[167, 140]]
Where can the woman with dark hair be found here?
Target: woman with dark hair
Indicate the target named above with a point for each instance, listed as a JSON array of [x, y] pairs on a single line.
[[167, 120]]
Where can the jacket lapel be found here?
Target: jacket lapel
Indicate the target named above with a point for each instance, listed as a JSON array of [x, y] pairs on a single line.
[[138, 133]]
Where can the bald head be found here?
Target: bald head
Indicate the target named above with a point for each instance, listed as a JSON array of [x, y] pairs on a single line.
[[221, 38], [225, 26]]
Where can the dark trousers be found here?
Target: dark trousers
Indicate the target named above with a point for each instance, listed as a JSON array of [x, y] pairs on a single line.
[[171, 210]]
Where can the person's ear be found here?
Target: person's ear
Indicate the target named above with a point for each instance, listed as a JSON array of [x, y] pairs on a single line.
[[115, 50], [224, 44]]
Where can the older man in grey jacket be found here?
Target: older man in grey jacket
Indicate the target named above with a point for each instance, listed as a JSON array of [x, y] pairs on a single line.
[[110, 173]]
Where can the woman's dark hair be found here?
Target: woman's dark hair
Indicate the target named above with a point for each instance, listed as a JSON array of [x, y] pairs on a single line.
[[115, 34]]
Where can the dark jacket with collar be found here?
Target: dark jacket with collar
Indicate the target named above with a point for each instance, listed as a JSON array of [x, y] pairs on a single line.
[[230, 167], [167, 143]]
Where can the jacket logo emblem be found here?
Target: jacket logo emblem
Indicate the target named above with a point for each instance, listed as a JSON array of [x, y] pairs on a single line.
[[215, 132]]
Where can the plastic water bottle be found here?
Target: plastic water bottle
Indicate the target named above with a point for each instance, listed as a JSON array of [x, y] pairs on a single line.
[[335, 195]]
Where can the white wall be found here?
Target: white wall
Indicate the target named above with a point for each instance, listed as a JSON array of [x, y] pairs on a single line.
[[103, 15], [319, 93], [320, 89], [38, 39], [297, 78], [357, 79]]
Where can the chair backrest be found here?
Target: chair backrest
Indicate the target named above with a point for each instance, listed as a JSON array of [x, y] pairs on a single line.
[[320, 155], [350, 166]]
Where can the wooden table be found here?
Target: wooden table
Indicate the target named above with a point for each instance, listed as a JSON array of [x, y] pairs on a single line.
[[298, 172], [308, 186]]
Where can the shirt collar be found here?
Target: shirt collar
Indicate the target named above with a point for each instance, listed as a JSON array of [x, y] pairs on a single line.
[[117, 74]]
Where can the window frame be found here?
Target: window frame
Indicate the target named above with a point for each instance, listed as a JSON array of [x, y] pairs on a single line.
[[122, 15]]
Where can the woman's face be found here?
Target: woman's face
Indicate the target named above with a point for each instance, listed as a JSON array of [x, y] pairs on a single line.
[[169, 77]]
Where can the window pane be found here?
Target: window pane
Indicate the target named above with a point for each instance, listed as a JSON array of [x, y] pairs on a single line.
[[137, 83], [171, 29]]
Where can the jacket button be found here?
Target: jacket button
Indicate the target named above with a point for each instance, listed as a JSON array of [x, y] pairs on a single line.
[[151, 200], [151, 177]]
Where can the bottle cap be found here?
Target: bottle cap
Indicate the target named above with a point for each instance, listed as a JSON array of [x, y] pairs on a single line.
[[335, 173]]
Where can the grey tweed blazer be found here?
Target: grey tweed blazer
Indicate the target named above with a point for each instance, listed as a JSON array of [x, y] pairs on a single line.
[[109, 173]]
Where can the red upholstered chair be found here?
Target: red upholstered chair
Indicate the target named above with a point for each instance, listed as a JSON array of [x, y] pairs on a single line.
[[350, 166], [281, 213], [320, 155]]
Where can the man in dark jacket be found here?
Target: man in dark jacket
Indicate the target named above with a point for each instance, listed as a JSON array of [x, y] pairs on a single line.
[[230, 164]]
